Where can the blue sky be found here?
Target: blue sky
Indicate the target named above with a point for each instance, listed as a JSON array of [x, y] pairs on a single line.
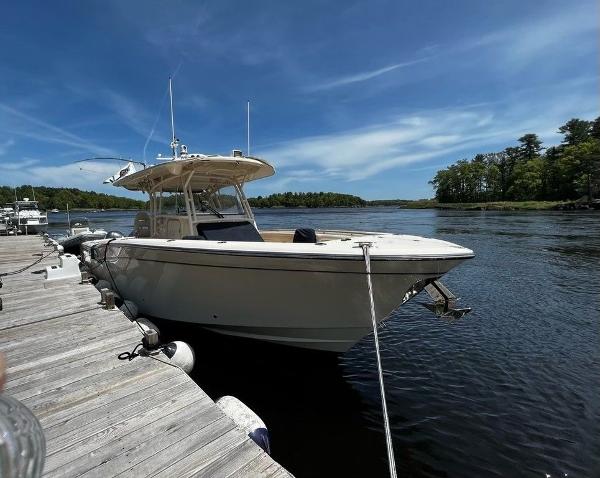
[[369, 98]]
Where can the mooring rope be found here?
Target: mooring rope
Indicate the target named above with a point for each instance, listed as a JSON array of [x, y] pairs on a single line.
[[386, 421], [22, 269]]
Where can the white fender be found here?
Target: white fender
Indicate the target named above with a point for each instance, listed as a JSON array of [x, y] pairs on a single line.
[[246, 419], [180, 354]]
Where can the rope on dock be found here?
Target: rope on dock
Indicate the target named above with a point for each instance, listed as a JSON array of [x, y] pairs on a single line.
[[22, 269], [386, 421]]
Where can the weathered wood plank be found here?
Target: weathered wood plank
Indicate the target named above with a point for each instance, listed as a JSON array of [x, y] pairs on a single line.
[[39, 332], [151, 451], [231, 462], [194, 462], [180, 449], [74, 367], [126, 404], [69, 338], [124, 389], [261, 466], [51, 361], [78, 458]]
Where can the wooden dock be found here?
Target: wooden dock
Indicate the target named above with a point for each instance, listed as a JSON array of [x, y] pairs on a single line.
[[103, 416]]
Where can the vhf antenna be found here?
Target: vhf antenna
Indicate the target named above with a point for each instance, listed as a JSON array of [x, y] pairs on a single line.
[[248, 130], [173, 143]]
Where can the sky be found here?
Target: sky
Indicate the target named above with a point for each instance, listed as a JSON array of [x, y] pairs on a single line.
[[362, 97]]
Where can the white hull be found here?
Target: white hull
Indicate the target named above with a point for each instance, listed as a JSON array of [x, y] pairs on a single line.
[[33, 228], [314, 297]]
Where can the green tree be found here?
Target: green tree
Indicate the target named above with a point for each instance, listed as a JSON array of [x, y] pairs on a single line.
[[595, 129], [524, 172], [576, 131], [531, 146], [581, 167], [527, 180]]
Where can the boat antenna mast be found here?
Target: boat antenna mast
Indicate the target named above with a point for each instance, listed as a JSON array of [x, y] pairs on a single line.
[[174, 141], [248, 130]]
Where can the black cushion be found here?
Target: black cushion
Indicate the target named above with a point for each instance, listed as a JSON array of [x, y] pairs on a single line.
[[305, 235], [228, 231]]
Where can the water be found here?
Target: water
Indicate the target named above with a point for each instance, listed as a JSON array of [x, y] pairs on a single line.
[[513, 389]]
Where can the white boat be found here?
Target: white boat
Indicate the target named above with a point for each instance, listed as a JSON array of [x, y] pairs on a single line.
[[207, 262], [79, 233], [27, 217], [54, 211], [6, 227]]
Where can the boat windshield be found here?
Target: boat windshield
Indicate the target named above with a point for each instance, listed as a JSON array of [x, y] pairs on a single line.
[[225, 201], [27, 205]]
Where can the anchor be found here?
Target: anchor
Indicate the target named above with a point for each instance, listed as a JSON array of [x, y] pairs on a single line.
[[444, 301]]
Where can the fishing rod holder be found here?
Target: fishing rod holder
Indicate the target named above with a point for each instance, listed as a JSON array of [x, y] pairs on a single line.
[[444, 301]]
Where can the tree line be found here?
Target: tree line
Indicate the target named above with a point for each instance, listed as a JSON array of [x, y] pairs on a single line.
[[310, 200], [529, 171], [58, 198]]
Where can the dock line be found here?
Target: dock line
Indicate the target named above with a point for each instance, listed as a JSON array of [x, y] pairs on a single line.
[[23, 269], [386, 421]]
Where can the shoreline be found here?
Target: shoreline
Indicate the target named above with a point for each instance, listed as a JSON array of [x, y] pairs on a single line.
[[480, 206]]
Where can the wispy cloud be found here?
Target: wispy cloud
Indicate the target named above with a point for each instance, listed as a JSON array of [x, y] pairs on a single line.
[[361, 76], [567, 30], [5, 146], [18, 165], [18, 123], [129, 112], [442, 134]]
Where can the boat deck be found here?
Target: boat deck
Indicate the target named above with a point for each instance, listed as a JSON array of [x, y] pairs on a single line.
[[103, 416]]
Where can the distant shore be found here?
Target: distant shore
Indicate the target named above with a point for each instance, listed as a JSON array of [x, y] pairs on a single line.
[[506, 206], [478, 206]]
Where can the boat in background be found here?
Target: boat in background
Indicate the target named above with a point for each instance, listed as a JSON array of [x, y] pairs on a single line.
[[79, 233], [6, 227], [28, 218]]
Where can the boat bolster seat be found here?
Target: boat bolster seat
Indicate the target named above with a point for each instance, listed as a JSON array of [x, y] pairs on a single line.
[[227, 231], [305, 235]]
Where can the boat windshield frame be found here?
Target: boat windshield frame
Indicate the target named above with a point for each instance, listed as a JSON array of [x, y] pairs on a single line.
[[26, 206], [194, 212]]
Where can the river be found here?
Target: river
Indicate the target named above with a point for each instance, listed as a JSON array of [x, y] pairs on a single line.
[[512, 389]]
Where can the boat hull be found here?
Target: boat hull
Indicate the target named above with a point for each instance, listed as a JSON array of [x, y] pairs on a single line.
[[33, 228], [316, 302], [72, 244]]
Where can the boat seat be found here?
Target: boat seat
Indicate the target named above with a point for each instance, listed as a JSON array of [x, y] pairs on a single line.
[[227, 231], [305, 235]]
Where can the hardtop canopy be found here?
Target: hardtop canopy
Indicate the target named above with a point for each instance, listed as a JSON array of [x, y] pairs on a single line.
[[197, 170]]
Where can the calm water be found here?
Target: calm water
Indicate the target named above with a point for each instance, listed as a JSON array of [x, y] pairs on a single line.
[[513, 389]]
